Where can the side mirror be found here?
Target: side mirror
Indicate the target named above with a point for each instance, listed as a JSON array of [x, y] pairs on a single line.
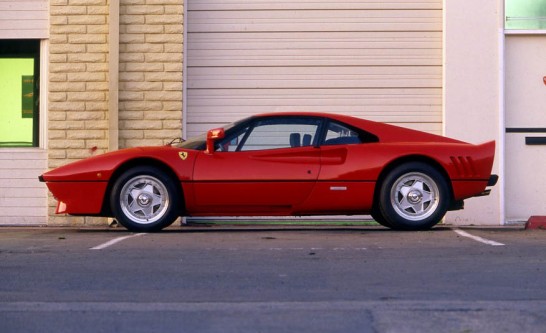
[[212, 136]]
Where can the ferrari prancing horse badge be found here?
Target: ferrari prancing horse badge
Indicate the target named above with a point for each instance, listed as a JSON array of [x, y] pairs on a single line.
[[183, 155]]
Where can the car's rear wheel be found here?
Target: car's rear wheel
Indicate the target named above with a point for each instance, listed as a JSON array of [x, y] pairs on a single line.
[[144, 199], [413, 196]]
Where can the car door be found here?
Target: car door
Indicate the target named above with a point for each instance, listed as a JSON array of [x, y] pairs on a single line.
[[265, 167], [343, 185]]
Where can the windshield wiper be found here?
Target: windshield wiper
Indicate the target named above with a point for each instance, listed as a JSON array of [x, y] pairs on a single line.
[[176, 141]]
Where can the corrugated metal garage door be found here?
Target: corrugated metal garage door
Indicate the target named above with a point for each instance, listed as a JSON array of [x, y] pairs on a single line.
[[375, 59]]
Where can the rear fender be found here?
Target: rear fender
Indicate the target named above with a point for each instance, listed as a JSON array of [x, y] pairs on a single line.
[[407, 159]]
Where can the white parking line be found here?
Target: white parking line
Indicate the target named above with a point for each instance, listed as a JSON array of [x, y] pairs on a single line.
[[477, 239], [114, 241]]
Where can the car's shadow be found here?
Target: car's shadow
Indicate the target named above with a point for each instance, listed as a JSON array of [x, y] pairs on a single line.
[[213, 228]]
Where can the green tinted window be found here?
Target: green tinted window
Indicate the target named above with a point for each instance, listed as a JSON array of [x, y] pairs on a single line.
[[525, 14], [19, 93], [16, 102]]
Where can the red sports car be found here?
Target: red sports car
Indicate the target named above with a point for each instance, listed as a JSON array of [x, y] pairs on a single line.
[[281, 164]]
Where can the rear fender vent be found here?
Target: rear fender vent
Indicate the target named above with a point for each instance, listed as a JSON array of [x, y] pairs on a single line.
[[464, 165]]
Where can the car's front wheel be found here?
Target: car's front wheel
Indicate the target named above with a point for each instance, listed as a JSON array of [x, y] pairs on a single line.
[[144, 199], [413, 196]]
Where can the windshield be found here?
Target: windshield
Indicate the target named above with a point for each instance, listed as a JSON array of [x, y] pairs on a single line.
[[199, 142]]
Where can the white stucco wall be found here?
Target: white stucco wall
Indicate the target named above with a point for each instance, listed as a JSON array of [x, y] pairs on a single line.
[[473, 104]]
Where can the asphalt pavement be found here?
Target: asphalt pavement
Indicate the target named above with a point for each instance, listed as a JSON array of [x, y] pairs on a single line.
[[273, 279]]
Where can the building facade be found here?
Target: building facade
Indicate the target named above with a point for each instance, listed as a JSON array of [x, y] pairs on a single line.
[[82, 77]]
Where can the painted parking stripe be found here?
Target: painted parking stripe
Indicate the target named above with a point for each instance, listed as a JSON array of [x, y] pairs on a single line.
[[114, 241], [477, 238]]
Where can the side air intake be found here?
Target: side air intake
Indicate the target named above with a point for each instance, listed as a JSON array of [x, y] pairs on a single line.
[[464, 166]]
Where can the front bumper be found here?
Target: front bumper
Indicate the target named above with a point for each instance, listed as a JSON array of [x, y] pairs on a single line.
[[78, 198]]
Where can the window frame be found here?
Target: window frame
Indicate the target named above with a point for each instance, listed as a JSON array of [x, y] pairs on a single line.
[[35, 49], [247, 128], [318, 140]]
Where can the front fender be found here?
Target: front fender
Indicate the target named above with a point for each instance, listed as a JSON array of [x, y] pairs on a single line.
[[101, 168]]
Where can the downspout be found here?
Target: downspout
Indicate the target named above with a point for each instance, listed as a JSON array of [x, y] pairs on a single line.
[[113, 75], [502, 116]]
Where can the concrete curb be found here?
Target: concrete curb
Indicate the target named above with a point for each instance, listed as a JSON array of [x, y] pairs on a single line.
[[536, 222]]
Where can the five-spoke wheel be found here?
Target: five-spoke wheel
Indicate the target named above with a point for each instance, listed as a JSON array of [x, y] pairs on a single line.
[[413, 196], [144, 199]]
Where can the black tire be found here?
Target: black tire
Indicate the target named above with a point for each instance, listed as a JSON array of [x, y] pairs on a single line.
[[413, 196], [376, 215], [145, 199]]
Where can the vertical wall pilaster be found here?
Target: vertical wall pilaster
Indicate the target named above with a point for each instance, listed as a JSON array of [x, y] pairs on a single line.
[[78, 85]]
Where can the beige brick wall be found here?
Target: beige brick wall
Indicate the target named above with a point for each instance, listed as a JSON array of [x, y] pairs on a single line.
[[150, 79], [150, 88]]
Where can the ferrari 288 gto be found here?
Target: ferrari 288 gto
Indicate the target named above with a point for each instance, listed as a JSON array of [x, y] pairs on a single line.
[[281, 164]]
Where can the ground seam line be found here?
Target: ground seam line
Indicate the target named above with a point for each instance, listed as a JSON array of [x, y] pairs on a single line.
[[114, 241], [477, 238]]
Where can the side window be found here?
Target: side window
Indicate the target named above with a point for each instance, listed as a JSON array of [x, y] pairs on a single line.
[[525, 14], [338, 134], [232, 141], [274, 133]]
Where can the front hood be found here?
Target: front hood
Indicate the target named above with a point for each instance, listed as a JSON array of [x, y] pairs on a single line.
[[96, 168], [101, 167]]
